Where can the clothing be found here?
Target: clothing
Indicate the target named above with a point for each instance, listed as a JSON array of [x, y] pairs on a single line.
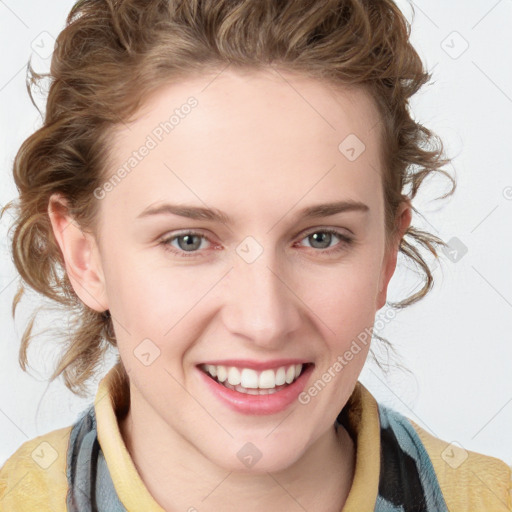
[[399, 466]]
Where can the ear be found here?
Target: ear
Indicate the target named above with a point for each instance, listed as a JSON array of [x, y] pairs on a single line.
[[80, 253], [403, 220]]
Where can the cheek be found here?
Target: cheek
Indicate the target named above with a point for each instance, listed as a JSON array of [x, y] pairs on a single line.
[[343, 302], [145, 300], [345, 292], [164, 303]]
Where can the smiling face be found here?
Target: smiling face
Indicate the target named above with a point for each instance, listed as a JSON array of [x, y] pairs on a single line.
[[261, 281]]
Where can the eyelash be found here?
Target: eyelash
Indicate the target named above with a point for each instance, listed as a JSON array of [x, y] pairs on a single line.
[[345, 241]]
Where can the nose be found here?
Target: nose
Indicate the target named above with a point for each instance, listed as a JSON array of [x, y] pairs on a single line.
[[262, 307]]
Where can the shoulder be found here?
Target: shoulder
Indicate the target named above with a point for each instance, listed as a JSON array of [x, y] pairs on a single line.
[[469, 480], [34, 476]]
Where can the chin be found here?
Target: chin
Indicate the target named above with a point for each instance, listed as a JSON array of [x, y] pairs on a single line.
[[258, 457]]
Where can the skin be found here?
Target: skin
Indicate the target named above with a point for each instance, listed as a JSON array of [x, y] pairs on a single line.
[[259, 146]]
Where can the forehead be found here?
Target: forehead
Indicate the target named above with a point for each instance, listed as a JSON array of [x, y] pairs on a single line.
[[261, 135]]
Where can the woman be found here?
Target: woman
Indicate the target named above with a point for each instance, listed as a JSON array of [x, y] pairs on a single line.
[[220, 190]]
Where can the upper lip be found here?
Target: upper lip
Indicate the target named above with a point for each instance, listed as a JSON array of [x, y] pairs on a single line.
[[256, 365]]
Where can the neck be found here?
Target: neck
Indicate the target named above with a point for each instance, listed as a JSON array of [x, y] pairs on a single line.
[[180, 478]]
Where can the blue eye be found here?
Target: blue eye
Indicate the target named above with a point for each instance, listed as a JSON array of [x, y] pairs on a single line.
[[190, 242], [345, 239]]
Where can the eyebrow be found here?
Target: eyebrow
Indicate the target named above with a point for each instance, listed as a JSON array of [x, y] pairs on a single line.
[[215, 215]]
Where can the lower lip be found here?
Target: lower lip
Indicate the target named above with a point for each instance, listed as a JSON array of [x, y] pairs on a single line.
[[258, 404]]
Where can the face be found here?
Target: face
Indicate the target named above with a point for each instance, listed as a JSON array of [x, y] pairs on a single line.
[[266, 283]]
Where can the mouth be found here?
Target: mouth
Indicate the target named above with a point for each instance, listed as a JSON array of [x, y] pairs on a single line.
[[254, 382]]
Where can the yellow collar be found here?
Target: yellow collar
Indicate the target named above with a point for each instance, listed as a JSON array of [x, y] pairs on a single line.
[[112, 400]]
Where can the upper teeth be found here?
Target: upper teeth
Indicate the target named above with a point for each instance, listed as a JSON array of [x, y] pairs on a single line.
[[249, 378]]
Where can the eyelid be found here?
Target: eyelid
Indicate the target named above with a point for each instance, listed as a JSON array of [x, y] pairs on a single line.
[[345, 239], [331, 229], [168, 238]]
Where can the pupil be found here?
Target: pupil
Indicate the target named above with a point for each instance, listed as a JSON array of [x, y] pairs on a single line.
[[317, 236], [189, 242]]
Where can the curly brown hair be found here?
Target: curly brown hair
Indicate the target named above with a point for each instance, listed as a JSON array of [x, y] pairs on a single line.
[[112, 54]]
